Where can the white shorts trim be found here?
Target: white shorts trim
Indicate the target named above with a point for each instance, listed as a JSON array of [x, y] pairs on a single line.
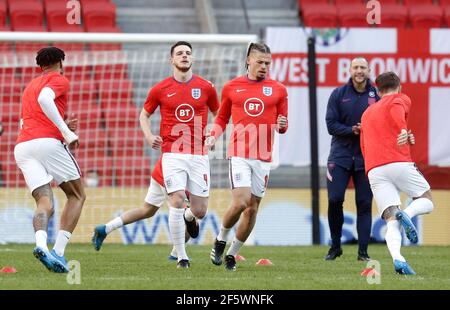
[[45, 159], [186, 172], [156, 194], [389, 180], [251, 173]]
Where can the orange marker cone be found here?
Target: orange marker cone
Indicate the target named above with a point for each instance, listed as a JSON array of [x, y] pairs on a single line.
[[264, 261], [8, 269], [240, 258]]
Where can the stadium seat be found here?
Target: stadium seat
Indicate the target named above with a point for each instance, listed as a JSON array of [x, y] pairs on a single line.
[[88, 114], [132, 171], [10, 91], [115, 91], [124, 115], [352, 15], [82, 88], [30, 46], [347, 2], [5, 46], [103, 165], [394, 15], [26, 14], [104, 46], [417, 2], [426, 15], [126, 141], [447, 16], [94, 143], [99, 14], [319, 15], [2, 13]]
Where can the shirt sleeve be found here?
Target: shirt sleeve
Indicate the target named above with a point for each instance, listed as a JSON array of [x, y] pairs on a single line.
[[398, 114], [152, 101], [59, 85], [213, 99], [223, 117], [282, 107], [334, 126]]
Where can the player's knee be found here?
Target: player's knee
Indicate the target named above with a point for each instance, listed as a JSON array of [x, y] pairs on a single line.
[[240, 204], [251, 211], [177, 199], [199, 213]]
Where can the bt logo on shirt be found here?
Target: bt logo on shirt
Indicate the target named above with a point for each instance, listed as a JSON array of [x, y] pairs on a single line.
[[254, 107], [184, 113]]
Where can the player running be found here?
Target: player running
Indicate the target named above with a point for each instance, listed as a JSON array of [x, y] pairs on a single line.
[[42, 154], [258, 106], [385, 144]]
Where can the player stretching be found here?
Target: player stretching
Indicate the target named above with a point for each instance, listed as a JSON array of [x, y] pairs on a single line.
[[156, 195], [385, 144], [258, 107], [184, 100], [42, 155]]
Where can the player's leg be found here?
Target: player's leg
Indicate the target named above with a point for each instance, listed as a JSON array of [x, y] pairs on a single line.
[[413, 183], [153, 201], [240, 181], [337, 181], [175, 171], [27, 157], [387, 198], [363, 197]]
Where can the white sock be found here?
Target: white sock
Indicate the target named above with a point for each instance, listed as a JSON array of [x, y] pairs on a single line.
[[61, 241], [236, 245], [223, 234], [114, 224], [188, 215], [41, 239], [419, 206], [394, 240], [176, 227], [174, 252]]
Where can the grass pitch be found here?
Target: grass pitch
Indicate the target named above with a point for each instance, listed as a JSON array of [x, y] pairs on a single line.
[[294, 268]]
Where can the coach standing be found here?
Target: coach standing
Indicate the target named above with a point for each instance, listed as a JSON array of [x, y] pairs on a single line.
[[345, 108]]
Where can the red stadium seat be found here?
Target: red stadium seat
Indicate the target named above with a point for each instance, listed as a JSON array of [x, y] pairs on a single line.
[[124, 115], [132, 171], [104, 46], [5, 46], [26, 14], [94, 143], [319, 15], [447, 16], [426, 16], [352, 15], [82, 88], [29, 46], [88, 114], [347, 2], [115, 91], [2, 13], [99, 14], [102, 165], [10, 91], [417, 2], [126, 141], [393, 15]]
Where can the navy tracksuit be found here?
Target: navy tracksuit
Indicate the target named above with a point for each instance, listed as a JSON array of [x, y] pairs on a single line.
[[344, 110]]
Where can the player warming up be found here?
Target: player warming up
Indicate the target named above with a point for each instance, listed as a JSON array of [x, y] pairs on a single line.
[[42, 154], [184, 100], [156, 195], [258, 107], [385, 144]]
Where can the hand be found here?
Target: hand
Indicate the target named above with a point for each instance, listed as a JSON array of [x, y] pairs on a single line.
[[356, 129], [71, 139], [155, 142], [281, 122], [210, 141], [411, 138], [74, 145], [402, 137], [72, 122]]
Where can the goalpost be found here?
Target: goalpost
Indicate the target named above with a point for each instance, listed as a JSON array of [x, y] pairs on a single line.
[[110, 76]]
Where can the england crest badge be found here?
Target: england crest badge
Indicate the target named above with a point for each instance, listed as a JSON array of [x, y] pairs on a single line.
[[267, 91], [196, 93]]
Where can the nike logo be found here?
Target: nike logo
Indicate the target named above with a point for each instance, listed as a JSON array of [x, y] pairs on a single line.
[[170, 95], [205, 190], [345, 99], [239, 90]]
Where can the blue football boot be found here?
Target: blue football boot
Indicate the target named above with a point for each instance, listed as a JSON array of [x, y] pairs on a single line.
[[408, 226], [403, 268], [98, 237]]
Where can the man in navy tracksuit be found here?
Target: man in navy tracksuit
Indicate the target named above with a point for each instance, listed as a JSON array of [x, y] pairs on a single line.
[[345, 108]]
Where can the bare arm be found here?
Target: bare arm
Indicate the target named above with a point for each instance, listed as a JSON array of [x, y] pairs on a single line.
[[145, 122]]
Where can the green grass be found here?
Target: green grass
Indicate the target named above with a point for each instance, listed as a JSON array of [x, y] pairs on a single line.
[[147, 267]]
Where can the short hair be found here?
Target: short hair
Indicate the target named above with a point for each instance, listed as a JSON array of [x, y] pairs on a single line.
[[387, 81], [49, 56], [260, 47], [178, 44], [361, 57]]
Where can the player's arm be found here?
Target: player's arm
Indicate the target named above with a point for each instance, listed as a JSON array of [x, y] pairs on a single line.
[[334, 126], [282, 112], [213, 101], [46, 100], [150, 106], [398, 116], [221, 120]]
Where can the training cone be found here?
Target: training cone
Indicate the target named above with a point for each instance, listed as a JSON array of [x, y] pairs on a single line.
[[8, 269], [264, 261], [369, 272], [240, 258]]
